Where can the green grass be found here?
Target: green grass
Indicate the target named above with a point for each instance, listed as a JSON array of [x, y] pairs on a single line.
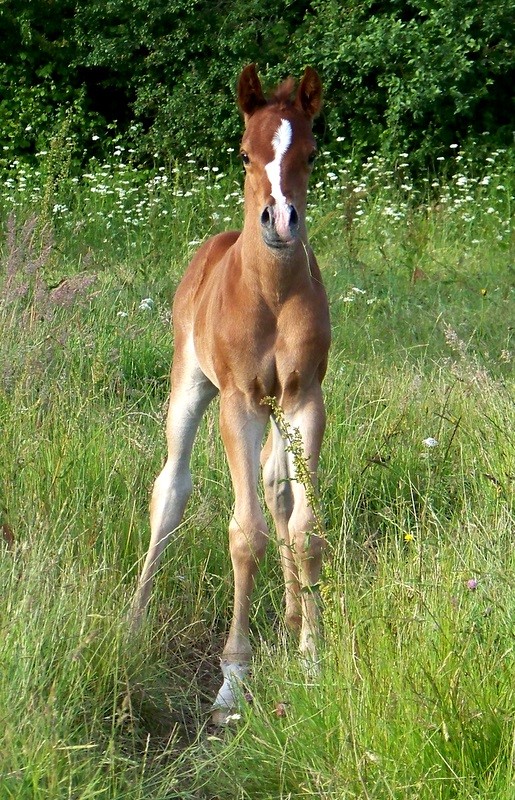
[[415, 696]]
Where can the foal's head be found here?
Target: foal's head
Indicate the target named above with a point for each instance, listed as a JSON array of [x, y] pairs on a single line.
[[278, 151]]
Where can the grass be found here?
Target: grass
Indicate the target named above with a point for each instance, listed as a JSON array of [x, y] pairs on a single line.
[[415, 697]]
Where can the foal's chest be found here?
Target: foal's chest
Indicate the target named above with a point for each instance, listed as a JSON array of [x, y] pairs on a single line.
[[271, 354]]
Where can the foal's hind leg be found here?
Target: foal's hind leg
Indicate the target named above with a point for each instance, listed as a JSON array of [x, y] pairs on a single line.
[[190, 395], [279, 499], [308, 417]]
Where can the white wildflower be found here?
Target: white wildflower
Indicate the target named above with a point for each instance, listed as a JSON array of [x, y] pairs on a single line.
[[233, 717]]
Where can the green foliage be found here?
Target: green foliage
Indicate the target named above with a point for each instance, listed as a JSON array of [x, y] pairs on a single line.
[[415, 75], [397, 710], [411, 75], [37, 86], [178, 63]]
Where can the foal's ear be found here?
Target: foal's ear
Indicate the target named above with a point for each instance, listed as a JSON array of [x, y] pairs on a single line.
[[309, 93], [250, 93]]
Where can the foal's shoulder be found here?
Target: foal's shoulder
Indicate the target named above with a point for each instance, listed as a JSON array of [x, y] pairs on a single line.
[[205, 258], [214, 248]]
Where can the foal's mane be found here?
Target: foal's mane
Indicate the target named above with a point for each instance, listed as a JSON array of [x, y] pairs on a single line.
[[282, 96]]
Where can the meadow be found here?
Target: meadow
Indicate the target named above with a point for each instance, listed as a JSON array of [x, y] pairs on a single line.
[[416, 693]]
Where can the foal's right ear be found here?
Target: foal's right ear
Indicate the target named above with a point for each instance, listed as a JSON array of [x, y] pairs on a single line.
[[250, 93], [309, 94]]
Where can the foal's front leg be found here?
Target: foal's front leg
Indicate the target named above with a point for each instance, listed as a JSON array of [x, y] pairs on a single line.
[[242, 425]]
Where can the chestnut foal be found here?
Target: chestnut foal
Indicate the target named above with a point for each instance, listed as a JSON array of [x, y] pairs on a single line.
[[251, 319]]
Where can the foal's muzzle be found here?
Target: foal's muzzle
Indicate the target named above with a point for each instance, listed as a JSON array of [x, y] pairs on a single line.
[[279, 225]]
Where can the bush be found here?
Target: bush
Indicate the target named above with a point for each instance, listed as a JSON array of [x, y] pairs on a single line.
[[398, 75], [417, 75]]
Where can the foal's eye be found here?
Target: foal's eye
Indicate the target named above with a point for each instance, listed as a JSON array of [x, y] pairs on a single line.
[[312, 156], [245, 158]]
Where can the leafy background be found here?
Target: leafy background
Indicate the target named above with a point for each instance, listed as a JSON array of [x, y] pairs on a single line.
[[397, 74]]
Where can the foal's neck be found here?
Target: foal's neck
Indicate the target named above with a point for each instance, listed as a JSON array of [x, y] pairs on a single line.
[[275, 274]]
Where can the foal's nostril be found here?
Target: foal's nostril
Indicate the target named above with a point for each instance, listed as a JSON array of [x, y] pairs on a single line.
[[267, 217], [294, 217]]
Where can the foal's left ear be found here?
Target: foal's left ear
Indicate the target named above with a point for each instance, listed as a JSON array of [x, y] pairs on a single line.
[[309, 93], [250, 93]]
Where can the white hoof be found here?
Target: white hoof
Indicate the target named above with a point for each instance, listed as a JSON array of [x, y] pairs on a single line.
[[234, 675]]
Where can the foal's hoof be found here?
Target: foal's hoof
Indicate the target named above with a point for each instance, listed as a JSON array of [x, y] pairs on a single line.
[[219, 716], [222, 716], [223, 709]]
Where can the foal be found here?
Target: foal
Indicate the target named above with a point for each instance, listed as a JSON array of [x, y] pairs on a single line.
[[251, 319]]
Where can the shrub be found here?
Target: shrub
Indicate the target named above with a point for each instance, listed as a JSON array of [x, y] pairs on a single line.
[[405, 74]]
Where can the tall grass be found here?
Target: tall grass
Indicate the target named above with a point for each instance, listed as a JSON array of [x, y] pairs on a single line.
[[415, 696]]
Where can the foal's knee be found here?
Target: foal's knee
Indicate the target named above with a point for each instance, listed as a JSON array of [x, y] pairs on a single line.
[[248, 543]]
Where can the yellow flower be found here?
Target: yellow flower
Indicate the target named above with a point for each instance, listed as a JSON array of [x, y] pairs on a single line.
[[408, 537]]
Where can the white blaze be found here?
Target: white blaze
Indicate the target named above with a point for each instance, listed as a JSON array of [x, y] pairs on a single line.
[[280, 142]]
